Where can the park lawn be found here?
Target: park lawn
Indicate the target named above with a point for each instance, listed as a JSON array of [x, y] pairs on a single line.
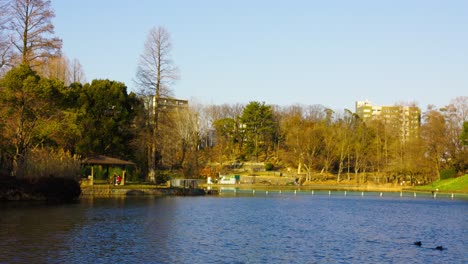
[[459, 184]]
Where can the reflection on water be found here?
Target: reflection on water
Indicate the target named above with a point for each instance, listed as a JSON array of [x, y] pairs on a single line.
[[280, 228]]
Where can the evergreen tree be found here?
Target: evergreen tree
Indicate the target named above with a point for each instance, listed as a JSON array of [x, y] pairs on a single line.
[[258, 124], [105, 117]]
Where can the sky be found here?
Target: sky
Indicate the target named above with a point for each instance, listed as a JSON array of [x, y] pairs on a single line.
[[282, 53]]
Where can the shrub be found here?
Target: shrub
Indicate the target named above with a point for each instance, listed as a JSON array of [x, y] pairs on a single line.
[[447, 173], [40, 163], [269, 166], [162, 177], [57, 189]]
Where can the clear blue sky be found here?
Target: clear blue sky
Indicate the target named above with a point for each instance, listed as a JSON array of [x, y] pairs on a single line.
[[281, 52]]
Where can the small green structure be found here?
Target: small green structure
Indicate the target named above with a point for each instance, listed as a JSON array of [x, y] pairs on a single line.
[[107, 162], [237, 177]]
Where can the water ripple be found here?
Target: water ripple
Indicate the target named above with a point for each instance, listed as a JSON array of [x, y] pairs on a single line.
[[273, 229]]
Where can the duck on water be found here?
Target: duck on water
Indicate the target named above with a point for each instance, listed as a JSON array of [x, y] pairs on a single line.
[[419, 244]]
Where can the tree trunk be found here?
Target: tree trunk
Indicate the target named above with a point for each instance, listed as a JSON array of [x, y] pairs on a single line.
[[299, 168]]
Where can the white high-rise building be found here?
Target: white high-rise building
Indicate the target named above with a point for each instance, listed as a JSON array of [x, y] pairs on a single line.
[[407, 118]]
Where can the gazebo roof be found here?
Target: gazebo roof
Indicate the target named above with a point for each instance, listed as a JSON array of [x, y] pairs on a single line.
[[104, 160]]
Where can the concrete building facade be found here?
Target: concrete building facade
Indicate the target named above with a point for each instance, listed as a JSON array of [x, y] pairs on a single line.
[[405, 118]]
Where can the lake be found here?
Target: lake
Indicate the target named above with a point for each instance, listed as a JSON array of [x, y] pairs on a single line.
[[238, 228]]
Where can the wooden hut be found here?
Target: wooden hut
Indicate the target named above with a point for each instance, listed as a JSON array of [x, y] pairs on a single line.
[[107, 162]]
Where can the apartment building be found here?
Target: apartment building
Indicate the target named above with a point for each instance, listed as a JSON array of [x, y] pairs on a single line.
[[165, 104], [172, 103], [405, 118]]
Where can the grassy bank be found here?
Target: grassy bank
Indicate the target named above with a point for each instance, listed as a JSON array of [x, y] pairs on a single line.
[[459, 185]]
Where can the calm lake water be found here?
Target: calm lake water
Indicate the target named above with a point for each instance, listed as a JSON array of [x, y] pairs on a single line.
[[238, 228]]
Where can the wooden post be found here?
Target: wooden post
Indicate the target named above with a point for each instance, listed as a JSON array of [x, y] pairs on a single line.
[[92, 175], [123, 178]]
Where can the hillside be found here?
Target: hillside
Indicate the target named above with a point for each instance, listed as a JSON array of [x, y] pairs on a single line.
[[459, 184]]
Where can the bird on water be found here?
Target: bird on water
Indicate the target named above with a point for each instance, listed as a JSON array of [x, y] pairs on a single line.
[[419, 243]]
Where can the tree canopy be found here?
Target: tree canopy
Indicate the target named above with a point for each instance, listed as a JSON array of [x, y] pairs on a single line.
[[27, 103], [258, 124], [105, 116]]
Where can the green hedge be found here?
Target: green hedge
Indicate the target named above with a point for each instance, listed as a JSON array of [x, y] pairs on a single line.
[[447, 174]]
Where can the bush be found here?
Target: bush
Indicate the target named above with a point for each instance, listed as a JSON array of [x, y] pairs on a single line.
[[40, 163], [162, 177], [447, 173], [57, 189], [269, 166]]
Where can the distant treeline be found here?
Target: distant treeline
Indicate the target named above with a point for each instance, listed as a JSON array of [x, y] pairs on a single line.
[[48, 126], [50, 119]]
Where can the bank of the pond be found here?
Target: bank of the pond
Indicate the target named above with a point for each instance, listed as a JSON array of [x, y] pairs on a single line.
[[457, 185], [452, 185], [110, 191], [312, 186], [56, 189]]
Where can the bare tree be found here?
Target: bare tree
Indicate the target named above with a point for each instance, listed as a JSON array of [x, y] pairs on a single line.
[[6, 54], [55, 68], [33, 28], [62, 69], [187, 129], [155, 73], [456, 113], [303, 137], [4, 15], [77, 74], [434, 133]]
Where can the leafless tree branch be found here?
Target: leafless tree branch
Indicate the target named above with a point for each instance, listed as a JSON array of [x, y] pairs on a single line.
[[33, 30]]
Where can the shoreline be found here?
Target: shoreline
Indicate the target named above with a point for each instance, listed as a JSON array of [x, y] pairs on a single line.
[[20, 193], [49, 189], [323, 187], [215, 189], [111, 191]]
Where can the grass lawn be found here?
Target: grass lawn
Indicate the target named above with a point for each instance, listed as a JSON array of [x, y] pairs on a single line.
[[459, 184]]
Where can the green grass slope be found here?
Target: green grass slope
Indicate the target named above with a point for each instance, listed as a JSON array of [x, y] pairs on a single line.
[[459, 184]]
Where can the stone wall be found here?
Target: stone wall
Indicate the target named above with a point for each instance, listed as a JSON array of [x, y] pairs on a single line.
[[109, 191]]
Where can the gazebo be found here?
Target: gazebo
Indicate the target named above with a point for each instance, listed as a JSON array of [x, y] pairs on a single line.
[[107, 162]]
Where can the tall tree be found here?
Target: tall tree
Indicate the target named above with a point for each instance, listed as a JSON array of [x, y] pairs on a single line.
[[32, 25], [76, 71], [434, 134], [464, 134], [303, 137], [55, 68], [6, 52], [344, 127], [258, 122], [155, 73], [187, 130], [62, 69], [226, 124], [361, 139], [329, 140], [26, 104], [456, 113], [226, 139], [106, 113]]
